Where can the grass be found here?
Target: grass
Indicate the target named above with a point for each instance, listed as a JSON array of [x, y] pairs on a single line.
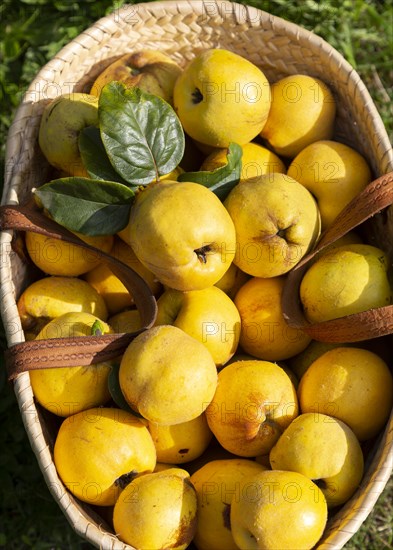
[[33, 31]]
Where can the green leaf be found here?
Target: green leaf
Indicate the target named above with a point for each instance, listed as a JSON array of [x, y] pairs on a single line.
[[90, 207], [97, 328], [141, 133], [223, 179], [94, 156], [115, 390]]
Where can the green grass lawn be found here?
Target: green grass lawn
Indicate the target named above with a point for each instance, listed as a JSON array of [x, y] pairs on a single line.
[[33, 31]]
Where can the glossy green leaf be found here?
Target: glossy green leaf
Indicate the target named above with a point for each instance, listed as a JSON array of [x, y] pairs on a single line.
[[94, 156], [223, 179], [90, 207], [97, 328], [141, 133]]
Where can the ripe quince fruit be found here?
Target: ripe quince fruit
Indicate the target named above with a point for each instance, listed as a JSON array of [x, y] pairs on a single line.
[[56, 257], [254, 402], [208, 315], [167, 376], [182, 233], [61, 123], [69, 390], [183, 442], [157, 510], [98, 451], [277, 222], [221, 97], [274, 498], [344, 280], [152, 71], [352, 384], [303, 111], [216, 484], [324, 449], [333, 172], [52, 296], [265, 334]]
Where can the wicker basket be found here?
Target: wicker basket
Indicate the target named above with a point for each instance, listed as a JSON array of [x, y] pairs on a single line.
[[181, 29]]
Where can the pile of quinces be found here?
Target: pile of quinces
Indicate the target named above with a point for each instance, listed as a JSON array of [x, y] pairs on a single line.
[[220, 426]]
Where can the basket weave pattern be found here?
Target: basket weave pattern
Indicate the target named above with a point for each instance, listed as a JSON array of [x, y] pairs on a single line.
[[181, 29]]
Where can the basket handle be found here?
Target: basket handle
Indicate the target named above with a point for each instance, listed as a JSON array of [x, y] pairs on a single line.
[[88, 350], [84, 350], [365, 325]]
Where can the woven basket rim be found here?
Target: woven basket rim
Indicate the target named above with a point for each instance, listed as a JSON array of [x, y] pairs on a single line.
[[350, 521], [200, 7]]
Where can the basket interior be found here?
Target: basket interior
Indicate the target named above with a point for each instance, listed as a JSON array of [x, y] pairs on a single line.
[[181, 29]]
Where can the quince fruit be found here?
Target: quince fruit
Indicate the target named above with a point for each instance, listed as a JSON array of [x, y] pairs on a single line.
[[221, 97], [333, 172], [167, 376], [344, 280], [277, 222], [216, 484], [152, 71], [303, 111], [61, 123], [157, 511], [126, 321], [265, 334], [182, 233], [56, 257], [208, 315], [183, 442], [278, 509], [69, 390], [50, 297], [99, 450], [254, 402], [324, 449], [352, 384]]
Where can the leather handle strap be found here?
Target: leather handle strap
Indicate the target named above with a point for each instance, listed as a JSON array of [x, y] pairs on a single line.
[[67, 352], [357, 327], [84, 350]]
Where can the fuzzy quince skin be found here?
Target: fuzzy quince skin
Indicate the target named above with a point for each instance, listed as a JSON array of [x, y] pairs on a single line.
[[208, 315], [346, 279], [157, 510], [167, 376], [278, 509], [52, 296], [180, 443], [277, 222], [221, 97], [216, 483], [333, 172], [324, 449], [150, 70], [56, 257], [61, 123], [182, 233], [303, 111], [98, 450], [254, 402]]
